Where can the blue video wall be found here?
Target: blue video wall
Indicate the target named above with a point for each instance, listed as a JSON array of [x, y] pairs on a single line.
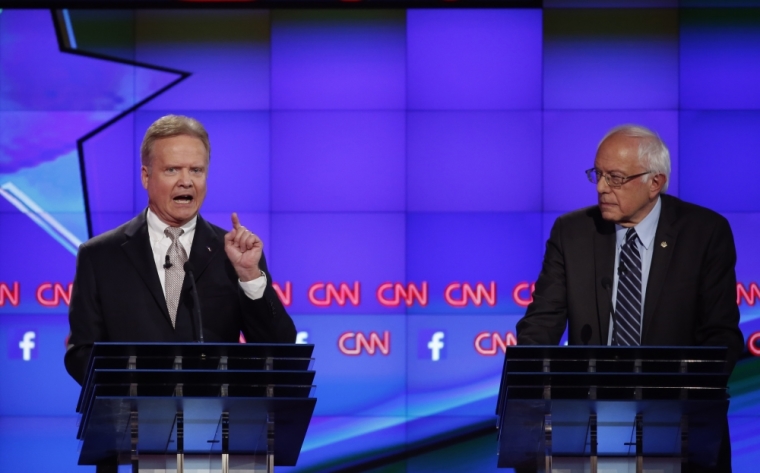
[[403, 168]]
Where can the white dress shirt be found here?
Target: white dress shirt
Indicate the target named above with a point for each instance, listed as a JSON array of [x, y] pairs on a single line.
[[160, 243]]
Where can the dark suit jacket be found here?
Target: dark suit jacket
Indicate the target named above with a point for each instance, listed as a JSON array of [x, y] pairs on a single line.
[[691, 291], [117, 296]]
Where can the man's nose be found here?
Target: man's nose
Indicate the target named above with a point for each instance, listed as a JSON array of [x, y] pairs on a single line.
[[601, 185], [184, 179]]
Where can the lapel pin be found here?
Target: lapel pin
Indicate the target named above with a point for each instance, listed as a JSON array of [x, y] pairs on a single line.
[[209, 248], [664, 244]]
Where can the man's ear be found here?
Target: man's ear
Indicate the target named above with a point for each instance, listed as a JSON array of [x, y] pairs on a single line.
[[144, 173], [656, 184]]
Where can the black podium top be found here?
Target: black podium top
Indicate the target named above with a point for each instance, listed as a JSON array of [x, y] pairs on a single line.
[[162, 356], [567, 372]]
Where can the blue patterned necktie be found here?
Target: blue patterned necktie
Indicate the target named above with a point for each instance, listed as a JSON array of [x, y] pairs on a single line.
[[628, 302]]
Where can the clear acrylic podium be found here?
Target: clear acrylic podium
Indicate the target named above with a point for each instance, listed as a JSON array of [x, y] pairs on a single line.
[[590, 409], [195, 407]]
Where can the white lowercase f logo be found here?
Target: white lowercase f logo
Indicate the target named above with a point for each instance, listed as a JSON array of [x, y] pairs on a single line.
[[435, 345], [27, 344]]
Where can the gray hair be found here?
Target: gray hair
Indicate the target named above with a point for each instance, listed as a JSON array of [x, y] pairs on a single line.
[[168, 126], [653, 154]]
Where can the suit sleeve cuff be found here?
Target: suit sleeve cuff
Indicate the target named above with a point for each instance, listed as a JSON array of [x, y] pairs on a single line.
[[254, 289]]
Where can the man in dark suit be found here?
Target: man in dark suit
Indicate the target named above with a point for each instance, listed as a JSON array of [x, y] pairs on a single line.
[[666, 266], [130, 283], [686, 259]]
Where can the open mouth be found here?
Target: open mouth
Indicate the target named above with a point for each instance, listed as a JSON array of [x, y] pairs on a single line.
[[183, 199]]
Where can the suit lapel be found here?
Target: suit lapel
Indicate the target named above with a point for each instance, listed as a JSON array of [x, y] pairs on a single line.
[[138, 250], [666, 233], [604, 266], [206, 245]]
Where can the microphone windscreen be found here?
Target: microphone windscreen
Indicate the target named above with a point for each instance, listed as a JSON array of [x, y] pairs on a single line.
[[606, 282], [188, 267]]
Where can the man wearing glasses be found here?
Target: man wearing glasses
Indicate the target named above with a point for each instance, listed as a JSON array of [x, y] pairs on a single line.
[[666, 266]]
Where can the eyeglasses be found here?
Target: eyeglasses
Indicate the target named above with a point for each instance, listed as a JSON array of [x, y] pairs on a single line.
[[614, 180]]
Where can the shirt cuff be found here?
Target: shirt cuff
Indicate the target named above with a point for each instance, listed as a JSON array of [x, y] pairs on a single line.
[[254, 288]]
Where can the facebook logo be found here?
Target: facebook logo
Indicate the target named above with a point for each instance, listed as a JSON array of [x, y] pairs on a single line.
[[21, 345], [431, 345], [302, 337]]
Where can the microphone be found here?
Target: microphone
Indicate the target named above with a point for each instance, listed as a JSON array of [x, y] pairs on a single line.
[[607, 285], [586, 334], [188, 267], [167, 263]]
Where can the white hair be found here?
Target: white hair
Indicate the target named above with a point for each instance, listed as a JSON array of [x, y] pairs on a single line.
[[653, 154]]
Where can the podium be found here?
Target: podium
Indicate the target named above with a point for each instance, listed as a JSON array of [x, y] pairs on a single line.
[[612, 409], [225, 407]]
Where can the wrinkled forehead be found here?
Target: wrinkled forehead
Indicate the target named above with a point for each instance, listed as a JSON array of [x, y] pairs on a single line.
[[179, 150]]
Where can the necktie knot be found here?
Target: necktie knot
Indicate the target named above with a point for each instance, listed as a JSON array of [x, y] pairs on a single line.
[[173, 233], [631, 235]]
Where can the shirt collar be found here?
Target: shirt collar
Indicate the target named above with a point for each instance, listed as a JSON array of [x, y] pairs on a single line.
[[156, 226], [645, 229]]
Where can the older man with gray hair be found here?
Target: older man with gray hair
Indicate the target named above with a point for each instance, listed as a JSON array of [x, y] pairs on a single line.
[[666, 266]]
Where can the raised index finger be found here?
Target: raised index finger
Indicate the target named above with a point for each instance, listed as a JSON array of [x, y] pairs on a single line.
[[235, 221]]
